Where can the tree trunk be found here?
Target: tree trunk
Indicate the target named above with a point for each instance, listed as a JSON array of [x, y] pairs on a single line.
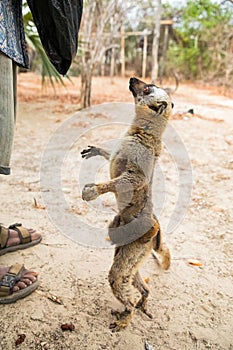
[[86, 80], [112, 66], [164, 53], [155, 44], [122, 51], [144, 57]]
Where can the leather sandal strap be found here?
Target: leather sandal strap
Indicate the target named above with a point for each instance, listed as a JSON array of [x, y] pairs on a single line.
[[24, 234], [8, 281], [4, 236]]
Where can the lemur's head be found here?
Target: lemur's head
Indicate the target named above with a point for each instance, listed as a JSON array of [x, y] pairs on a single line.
[[151, 97]]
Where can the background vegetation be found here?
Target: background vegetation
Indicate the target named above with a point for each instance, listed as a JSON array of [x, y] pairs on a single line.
[[197, 46]]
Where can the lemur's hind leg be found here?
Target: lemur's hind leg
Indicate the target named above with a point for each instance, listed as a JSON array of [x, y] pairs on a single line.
[[124, 278], [161, 252], [144, 290], [120, 278], [93, 151]]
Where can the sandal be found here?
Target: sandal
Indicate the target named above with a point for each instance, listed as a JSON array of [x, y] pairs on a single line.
[[7, 296], [24, 236]]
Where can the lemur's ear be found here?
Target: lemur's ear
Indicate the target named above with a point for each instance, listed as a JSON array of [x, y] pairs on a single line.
[[172, 104]]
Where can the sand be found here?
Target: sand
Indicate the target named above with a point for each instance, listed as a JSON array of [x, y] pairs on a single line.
[[192, 305]]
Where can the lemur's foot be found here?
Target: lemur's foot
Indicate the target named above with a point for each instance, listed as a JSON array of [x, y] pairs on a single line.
[[116, 313], [118, 325], [123, 319], [90, 192], [146, 312], [89, 152], [141, 305]]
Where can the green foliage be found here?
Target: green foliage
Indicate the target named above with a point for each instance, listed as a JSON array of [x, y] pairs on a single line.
[[196, 38], [184, 60]]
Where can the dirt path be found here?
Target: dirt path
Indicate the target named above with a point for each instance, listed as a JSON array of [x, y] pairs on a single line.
[[192, 306]]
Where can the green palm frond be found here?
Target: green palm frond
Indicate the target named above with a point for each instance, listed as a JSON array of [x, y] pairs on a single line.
[[48, 70]]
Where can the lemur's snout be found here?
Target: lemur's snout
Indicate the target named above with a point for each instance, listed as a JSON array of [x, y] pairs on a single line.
[[136, 85], [133, 80]]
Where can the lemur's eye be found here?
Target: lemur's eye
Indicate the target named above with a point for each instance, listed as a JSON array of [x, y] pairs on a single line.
[[146, 90]]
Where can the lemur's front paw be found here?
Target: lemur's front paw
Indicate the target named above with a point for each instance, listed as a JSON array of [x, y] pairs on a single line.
[[90, 192], [89, 152]]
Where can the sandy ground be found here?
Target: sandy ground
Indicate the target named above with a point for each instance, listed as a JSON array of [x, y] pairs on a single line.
[[192, 305]]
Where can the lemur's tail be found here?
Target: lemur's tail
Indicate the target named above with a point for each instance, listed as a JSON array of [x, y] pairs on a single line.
[[161, 252]]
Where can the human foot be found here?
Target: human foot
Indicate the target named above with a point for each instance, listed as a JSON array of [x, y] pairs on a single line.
[[16, 282], [17, 237]]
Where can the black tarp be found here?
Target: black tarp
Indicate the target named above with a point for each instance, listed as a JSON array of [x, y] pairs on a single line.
[[58, 23]]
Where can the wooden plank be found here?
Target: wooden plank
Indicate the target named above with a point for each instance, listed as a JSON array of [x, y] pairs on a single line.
[[167, 22], [136, 33]]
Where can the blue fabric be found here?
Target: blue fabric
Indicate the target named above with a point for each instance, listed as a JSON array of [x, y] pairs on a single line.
[[12, 38]]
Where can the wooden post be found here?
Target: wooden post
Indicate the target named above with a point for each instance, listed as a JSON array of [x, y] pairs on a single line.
[[163, 58], [144, 56], [155, 44], [122, 51]]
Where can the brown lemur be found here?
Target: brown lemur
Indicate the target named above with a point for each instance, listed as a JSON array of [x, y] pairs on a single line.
[[135, 230]]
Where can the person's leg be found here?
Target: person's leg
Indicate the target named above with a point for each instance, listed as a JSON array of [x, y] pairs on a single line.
[[7, 112], [8, 98], [16, 282]]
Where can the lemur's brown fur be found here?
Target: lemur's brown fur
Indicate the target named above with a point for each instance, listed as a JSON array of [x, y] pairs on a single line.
[[135, 230]]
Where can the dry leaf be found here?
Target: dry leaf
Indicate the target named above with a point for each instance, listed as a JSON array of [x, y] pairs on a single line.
[[194, 262], [55, 299], [37, 206], [146, 279], [217, 209], [68, 327], [20, 340]]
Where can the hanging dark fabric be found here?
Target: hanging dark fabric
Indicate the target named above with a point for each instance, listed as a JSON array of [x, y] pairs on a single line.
[[58, 23]]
